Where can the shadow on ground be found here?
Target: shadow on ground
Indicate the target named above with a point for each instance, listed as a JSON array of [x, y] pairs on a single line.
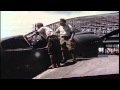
[[69, 62]]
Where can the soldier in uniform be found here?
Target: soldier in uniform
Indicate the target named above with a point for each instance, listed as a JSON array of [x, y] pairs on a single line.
[[52, 45], [66, 39]]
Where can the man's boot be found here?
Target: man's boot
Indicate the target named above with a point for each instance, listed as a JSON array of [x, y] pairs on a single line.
[[64, 56], [58, 64], [52, 66], [74, 58]]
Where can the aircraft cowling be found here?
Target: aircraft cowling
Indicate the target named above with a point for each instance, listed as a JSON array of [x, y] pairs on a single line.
[[87, 44]]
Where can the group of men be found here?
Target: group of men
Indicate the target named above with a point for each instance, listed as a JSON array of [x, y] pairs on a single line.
[[55, 46]]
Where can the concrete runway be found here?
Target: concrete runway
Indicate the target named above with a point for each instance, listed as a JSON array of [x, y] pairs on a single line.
[[101, 65]]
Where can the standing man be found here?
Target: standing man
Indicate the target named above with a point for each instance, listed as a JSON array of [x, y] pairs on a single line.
[[52, 45], [66, 39]]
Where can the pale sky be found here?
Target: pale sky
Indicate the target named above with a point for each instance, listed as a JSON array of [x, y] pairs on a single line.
[[21, 22]]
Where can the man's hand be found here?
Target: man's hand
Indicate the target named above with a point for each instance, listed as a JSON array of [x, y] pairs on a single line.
[[71, 39], [46, 46], [37, 32]]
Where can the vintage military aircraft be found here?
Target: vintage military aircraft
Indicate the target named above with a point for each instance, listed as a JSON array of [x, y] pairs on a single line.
[[26, 53]]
